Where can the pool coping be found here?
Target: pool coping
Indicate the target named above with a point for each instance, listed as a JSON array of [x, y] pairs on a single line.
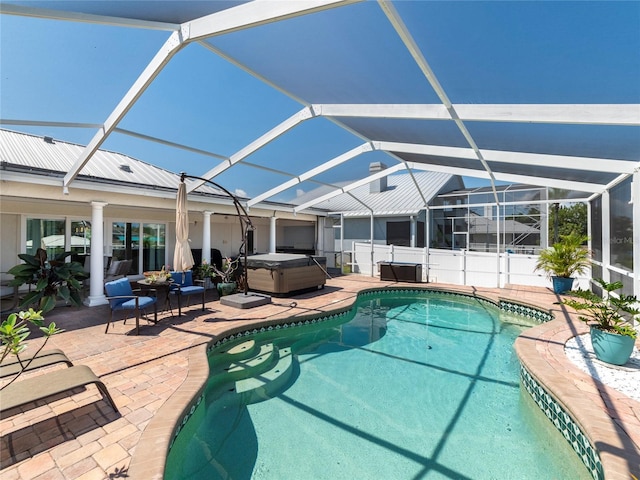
[[540, 350]]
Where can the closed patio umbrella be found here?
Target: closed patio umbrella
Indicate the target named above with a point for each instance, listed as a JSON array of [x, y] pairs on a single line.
[[182, 257]]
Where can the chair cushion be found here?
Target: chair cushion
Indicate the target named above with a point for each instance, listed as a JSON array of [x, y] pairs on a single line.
[[117, 288], [143, 303], [184, 279], [188, 290]]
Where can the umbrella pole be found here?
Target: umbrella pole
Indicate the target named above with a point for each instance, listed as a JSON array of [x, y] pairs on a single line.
[[245, 223]]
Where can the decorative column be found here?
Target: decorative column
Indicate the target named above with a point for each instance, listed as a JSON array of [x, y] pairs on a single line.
[[206, 237], [96, 289], [272, 234]]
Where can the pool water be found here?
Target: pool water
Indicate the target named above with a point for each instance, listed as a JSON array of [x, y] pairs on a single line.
[[412, 387]]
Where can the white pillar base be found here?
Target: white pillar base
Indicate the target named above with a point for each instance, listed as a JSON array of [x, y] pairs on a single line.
[[94, 301]]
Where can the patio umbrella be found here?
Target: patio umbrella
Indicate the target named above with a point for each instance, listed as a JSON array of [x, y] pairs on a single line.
[[182, 257]]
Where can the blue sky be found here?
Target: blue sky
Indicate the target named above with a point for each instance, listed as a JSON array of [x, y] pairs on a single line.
[[497, 52]]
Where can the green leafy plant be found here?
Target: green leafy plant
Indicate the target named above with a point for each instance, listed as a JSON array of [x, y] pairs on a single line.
[[565, 258], [14, 332], [51, 279], [205, 270], [606, 314]]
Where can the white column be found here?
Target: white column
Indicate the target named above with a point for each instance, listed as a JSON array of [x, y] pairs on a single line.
[[96, 289], [206, 237], [320, 241], [272, 234]]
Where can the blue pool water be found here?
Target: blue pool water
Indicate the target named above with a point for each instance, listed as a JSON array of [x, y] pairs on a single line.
[[411, 387]]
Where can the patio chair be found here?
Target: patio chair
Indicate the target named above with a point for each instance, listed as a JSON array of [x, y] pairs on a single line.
[[183, 286], [122, 297], [11, 366], [118, 269], [29, 391]]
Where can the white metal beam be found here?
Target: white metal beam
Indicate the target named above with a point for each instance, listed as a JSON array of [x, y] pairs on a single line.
[[414, 50], [257, 144], [366, 147], [168, 143], [256, 13], [589, 114], [46, 123], [511, 178], [164, 55], [351, 186], [500, 156], [51, 14]]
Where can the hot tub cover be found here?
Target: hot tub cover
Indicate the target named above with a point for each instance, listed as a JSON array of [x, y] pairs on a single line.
[[274, 261]]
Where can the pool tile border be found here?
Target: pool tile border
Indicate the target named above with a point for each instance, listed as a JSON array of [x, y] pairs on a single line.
[[570, 430]]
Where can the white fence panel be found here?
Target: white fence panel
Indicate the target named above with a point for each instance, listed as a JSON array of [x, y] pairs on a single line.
[[481, 269], [520, 270], [446, 266], [458, 267]]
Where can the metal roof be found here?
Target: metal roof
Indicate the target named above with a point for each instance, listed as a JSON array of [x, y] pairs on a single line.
[[405, 194], [46, 154], [542, 101]]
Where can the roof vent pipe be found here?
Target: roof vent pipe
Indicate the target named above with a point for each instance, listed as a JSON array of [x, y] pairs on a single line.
[[379, 185], [49, 140]]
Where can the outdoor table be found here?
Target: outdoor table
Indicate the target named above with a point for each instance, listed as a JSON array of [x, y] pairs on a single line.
[[162, 291]]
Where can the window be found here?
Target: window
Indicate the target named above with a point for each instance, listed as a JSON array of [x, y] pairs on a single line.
[[47, 234], [399, 233], [135, 241]]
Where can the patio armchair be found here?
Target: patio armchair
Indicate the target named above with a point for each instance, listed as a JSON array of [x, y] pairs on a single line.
[[184, 286], [123, 298]]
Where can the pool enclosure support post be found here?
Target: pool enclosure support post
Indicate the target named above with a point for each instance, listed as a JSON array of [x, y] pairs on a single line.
[[372, 253], [606, 236], [342, 242], [635, 199], [206, 237], [499, 216], [245, 223], [412, 228], [96, 280], [427, 240]]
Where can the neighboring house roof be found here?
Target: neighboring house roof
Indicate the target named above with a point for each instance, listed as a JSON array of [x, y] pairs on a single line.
[[405, 194]]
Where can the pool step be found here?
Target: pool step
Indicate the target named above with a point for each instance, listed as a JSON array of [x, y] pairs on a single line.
[[255, 365], [241, 350], [265, 385]]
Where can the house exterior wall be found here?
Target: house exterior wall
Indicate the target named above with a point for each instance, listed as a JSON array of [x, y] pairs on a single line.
[[29, 199]]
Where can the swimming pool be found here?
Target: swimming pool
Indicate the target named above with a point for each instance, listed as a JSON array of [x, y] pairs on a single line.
[[403, 386]]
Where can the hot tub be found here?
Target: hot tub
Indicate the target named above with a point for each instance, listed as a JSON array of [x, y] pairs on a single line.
[[282, 273]]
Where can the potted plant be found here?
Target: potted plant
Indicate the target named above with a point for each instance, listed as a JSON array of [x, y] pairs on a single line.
[[14, 333], [564, 259], [612, 333], [205, 272], [227, 284], [51, 279]]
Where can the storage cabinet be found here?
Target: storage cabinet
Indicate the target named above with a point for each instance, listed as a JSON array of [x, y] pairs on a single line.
[[401, 272]]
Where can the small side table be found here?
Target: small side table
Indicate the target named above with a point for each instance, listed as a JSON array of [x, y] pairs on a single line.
[[162, 292]]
